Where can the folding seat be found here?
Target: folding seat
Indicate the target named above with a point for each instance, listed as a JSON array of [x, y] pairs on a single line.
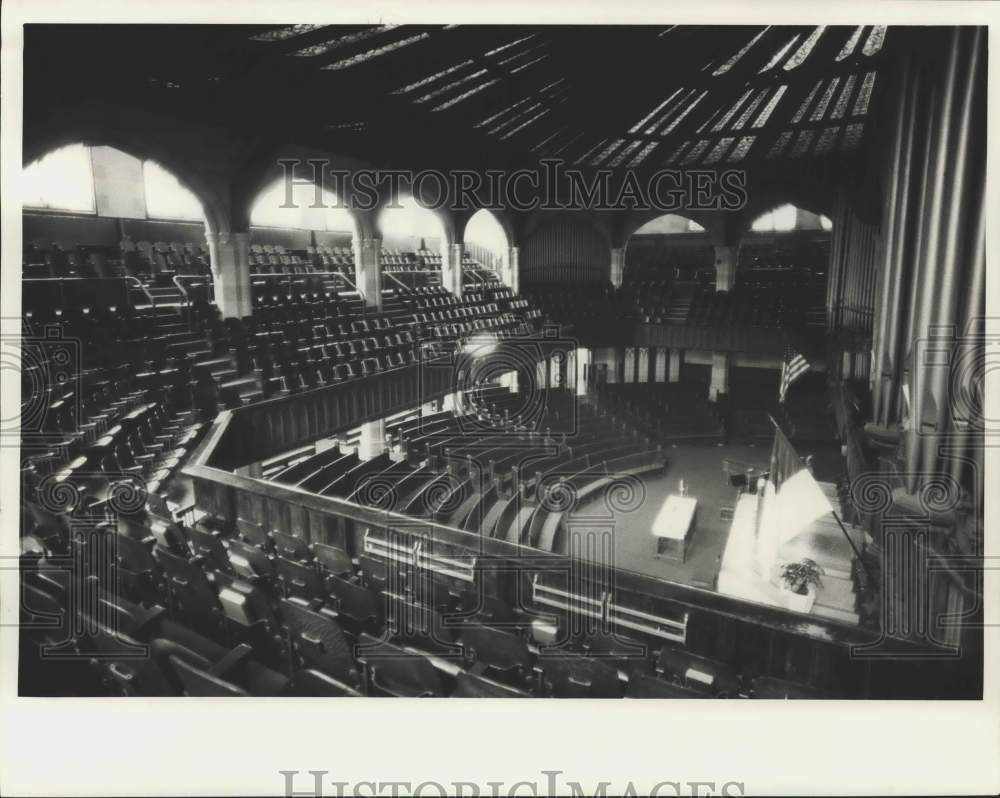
[[500, 651], [250, 562], [394, 671], [208, 547], [300, 579], [235, 674], [571, 676], [333, 560], [309, 682], [191, 594], [319, 642], [357, 605]]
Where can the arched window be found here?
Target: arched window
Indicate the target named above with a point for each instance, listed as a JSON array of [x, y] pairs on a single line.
[[62, 180], [406, 222], [485, 235], [166, 198], [670, 224], [776, 221], [272, 209]]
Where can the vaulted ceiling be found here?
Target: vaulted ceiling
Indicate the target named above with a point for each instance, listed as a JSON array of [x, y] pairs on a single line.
[[488, 96]]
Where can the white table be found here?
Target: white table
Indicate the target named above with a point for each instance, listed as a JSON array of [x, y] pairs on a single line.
[[672, 526]]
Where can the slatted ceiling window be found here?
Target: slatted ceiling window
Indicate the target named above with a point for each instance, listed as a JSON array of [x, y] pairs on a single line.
[[674, 108], [530, 63], [824, 102], [431, 78], [507, 46], [711, 118], [764, 115], [587, 153], [806, 103], [677, 120], [695, 152], [342, 41], [360, 58], [282, 34], [614, 145], [875, 40], [731, 112], [653, 113], [864, 95], [515, 118], [807, 47], [677, 153], [569, 142], [449, 86], [720, 149], [852, 136], [739, 54], [781, 53], [827, 139], [522, 54], [778, 148], [540, 145], [745, 116], [741, 149], [524, 124], [465, 95], [845, 95], [850, 44], [625, 152], [644, 153], [802, 144]]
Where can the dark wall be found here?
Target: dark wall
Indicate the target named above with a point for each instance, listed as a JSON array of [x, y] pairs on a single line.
[[43, 229], [182, 232], [287, 238]]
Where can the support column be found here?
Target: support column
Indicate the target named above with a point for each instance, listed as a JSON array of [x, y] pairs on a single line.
[[230, 258], [675, 365], [643, 359], [628, 374], [372, 443], [451, 268], [660, 367], [720, 375], [726, 259], [617, 266], [584, 376], [513, 280], [368, 271]]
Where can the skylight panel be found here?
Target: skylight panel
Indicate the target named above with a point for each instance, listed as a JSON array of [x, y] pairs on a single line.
[[695, 152], [677, 153], [465, 95], [845, 95], [625, 152], [850, 44], [779, 146], [864, 95], [826, 140], [673, 109], [524, 124], [764, 115], [741, 149], [514, 118], [780, 54], [729, 115], [507, 46], [343, 41], [821, 106], [515, 70], [547, 139], [745, 116], [852, 136], [282, 34], [643, 154], [376, 52], [802, 143], [449, 86], [522, 53], [720, 149], [571, 140], [589, 152], [742, 52], [807, 47], [806, 103], [689, 109], [652, 113], [431, 78], [606, 152], [875, 40]]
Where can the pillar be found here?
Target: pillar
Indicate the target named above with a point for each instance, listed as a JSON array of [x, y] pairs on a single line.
[[583, 371], [726, 258], [451, 268], [720, 375], [513, 280], [368, 271], [660, 367], [230, 258], [372, 442], [629, 369], [643, 359], [617, 266], [675, 365]]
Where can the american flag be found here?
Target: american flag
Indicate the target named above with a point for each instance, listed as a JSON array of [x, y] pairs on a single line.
[[794, 367]]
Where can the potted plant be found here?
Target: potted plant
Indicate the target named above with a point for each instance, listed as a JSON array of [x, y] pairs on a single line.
[[799, 581]]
